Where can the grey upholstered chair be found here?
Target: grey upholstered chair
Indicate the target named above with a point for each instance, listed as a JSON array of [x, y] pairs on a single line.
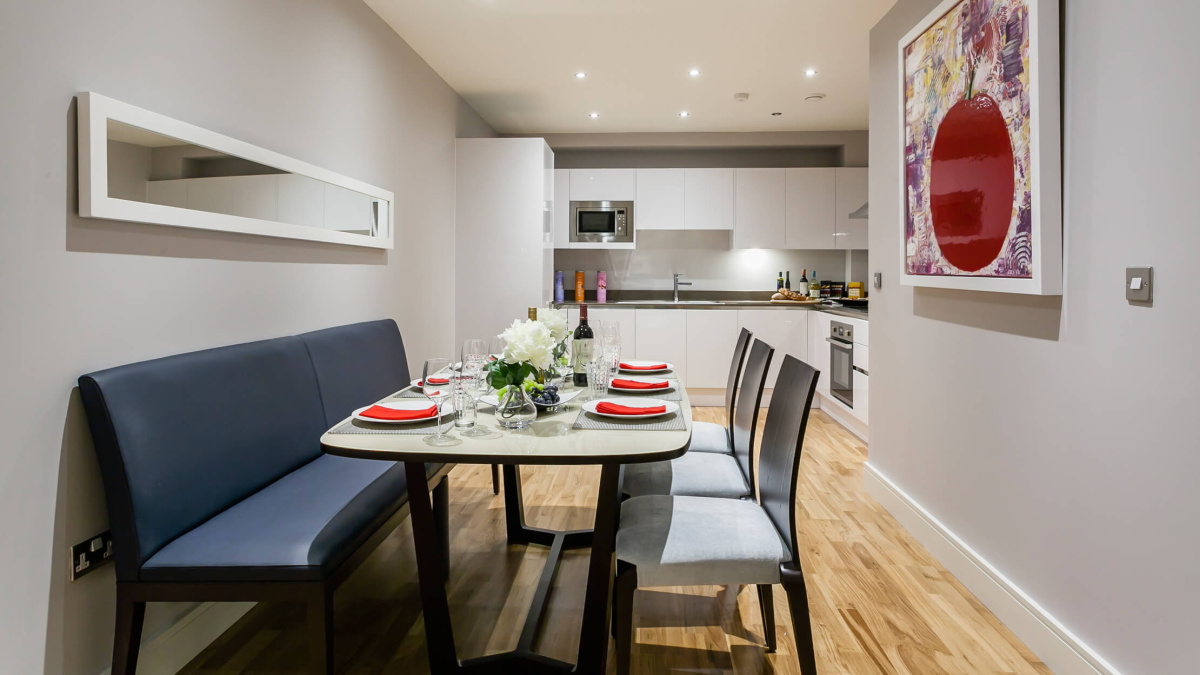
[[666, 540], [712, 437], [712, 474]]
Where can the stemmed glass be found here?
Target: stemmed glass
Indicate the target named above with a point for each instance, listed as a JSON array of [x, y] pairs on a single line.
[[438, 393], [497, 346], [472, 382], [474, 347]]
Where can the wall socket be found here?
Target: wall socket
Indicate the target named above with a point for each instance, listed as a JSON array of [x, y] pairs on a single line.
[[88, 555]]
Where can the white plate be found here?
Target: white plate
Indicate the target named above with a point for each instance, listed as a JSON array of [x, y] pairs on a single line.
[[416, 384], [563, 397], [410, 404], [670, 366], [649, 380], [671, 407]]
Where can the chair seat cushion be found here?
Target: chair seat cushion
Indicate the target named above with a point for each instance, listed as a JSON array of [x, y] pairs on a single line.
[[298, 528], [699, 541], [709, 437], [696, 474]]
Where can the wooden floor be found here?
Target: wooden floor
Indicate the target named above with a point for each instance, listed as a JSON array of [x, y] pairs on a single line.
[[880, 603]]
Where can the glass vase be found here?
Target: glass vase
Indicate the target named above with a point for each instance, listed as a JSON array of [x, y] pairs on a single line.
[[516, 409]]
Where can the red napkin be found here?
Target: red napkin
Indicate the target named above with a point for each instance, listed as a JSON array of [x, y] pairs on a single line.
[[434, 380], [615, 409], [632, 384], [661, 366], [381, 413]]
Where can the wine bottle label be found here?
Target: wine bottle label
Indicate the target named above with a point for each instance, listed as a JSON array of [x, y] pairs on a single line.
[[581, 353]]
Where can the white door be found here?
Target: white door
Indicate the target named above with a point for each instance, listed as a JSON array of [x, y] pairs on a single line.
[[662, 335], [709, 199], [661, 195], [711, 337], [759, 208], [810, 208], [851, 194], [596, 185], [562, 208], [784, 329]]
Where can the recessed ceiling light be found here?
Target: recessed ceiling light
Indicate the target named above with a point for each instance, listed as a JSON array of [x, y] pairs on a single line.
[[683, 114], [594, 115], [580, 75], [815, 97], [811, 72], [776, 114], [694, 72]]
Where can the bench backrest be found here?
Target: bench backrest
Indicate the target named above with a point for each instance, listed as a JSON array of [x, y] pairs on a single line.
[[357, 365]]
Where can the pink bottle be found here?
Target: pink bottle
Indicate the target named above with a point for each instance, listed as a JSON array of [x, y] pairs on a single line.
[[601, 287]]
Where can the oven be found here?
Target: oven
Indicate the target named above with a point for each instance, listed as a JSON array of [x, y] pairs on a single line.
[[602, 222], [841, 362]]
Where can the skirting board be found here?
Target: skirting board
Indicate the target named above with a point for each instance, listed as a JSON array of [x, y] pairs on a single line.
[[172, 649], [1056, 646]]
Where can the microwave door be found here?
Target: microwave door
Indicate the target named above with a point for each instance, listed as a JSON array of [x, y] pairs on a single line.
[[596, 222]]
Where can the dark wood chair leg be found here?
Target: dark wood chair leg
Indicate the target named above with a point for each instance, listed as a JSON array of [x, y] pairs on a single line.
[[128, 637], [320, 630], [495, 479], [441, 512], [623, 596], [766, 602], [797, 595]]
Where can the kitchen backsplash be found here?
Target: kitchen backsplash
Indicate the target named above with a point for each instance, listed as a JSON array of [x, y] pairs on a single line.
[[705, 259]]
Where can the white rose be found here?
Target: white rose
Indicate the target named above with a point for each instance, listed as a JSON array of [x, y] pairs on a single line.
[[556, 321], [529, 342]]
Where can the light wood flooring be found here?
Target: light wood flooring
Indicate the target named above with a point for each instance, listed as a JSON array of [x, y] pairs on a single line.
[[880, 603]]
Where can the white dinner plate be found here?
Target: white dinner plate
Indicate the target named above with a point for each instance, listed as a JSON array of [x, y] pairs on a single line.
[[648, 380], [408, 404], [670, 366], [671, 407], [563, 397], [416, 384]]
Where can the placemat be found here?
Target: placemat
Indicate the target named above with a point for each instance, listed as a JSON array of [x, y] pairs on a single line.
[[408, 392], [353, 426], [672, 422]]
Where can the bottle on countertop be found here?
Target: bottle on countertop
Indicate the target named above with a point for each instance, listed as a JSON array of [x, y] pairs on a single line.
[[558, 287], [581, 349], [803, 287], [579, 287], [601, 287], [814, 287], [779, 285], [788, 284]]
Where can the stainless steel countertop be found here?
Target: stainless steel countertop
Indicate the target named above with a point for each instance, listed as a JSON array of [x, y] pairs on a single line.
[[718, 304]]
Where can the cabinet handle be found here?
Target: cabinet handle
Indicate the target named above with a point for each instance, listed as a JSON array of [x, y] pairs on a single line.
[[839, 345], [862, 371]]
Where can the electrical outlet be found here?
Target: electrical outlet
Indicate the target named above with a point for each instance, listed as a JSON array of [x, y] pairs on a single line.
[[88, 555]]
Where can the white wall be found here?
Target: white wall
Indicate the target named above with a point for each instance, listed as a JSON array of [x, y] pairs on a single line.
[[324, 81], [1058, 437]]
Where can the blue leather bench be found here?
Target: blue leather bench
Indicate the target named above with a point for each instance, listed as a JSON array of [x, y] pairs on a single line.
[[216, 485]]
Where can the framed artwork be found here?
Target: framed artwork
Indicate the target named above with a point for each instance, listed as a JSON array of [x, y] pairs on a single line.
[[981, 162]]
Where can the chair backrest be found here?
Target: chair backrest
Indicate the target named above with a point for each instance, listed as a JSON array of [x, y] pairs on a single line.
[[357, 365], [744, 426], [735, 372], [182, 438], [782, 444]]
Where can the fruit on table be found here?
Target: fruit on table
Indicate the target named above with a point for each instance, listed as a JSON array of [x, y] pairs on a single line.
[[545, 395]]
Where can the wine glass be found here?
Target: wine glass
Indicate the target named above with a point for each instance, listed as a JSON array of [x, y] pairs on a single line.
[[474, 348], [438, 369], [497, 346], [471, 384]]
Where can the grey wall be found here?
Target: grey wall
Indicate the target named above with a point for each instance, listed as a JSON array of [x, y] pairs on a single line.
[[323, 81], [1058, 436]]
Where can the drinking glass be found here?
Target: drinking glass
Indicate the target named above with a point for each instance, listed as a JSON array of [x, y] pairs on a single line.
[[597, 377], [497, 346], [611, 350], [471, 384], [438, 393], [474, 347]]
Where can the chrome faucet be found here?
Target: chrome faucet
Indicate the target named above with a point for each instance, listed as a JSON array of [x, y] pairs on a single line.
[[679, 283]]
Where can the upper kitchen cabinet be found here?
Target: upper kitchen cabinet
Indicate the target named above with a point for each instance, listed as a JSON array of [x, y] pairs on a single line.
[[604, 185], [562, 208], [850, 223], [759, 208], [661, 199], [708, 203], [810, 208]]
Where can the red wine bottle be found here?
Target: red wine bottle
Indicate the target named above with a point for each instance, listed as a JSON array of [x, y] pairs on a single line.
[[581, 349]]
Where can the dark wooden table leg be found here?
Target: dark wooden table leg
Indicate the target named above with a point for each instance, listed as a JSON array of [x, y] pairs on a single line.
[[439, 634], [514, 517], [594, 635]]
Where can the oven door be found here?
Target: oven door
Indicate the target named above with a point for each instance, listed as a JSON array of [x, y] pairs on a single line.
[[841, 367], [601, 222]]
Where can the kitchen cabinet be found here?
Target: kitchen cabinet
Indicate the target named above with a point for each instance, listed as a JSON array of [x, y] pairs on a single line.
[[711, 338], [661, 199], [598, 185], [708, 199], [810, 208], [662, 334], [850, 195], [818, 348], [785, 330], [562, 208], [862, 381], [759, 208]]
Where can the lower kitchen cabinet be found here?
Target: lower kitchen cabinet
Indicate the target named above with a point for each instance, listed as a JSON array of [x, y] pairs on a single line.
[[662, 334], [711, 337], [785, 330], [818, 348]]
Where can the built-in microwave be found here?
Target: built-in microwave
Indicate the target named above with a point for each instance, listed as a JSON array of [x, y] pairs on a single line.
[[602, 222]]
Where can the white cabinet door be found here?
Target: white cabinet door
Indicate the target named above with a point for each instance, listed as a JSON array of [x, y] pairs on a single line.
[[661, 195], [662, 335], [818, 348], [759, 208], [810, 208], [851, 195], [711, 337], [862, 396], [596, 185], [562, 208], [784, 329], [625, 319], [709, 199]]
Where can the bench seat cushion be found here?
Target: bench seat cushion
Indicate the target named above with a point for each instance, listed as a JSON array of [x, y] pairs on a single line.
[[298, 528]]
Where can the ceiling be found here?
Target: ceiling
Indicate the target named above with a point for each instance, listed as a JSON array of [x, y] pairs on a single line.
[[514, 61]]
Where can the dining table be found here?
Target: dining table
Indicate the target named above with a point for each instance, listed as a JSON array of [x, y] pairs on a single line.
[[568, 436]]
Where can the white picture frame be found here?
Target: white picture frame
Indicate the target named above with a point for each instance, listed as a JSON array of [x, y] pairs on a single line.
[[1045, 160], [95, 110]]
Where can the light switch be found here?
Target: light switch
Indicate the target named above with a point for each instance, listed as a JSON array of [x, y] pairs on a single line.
[[1139, 283]]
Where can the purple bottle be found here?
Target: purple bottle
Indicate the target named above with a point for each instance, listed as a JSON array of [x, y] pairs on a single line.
[[558, 287]]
